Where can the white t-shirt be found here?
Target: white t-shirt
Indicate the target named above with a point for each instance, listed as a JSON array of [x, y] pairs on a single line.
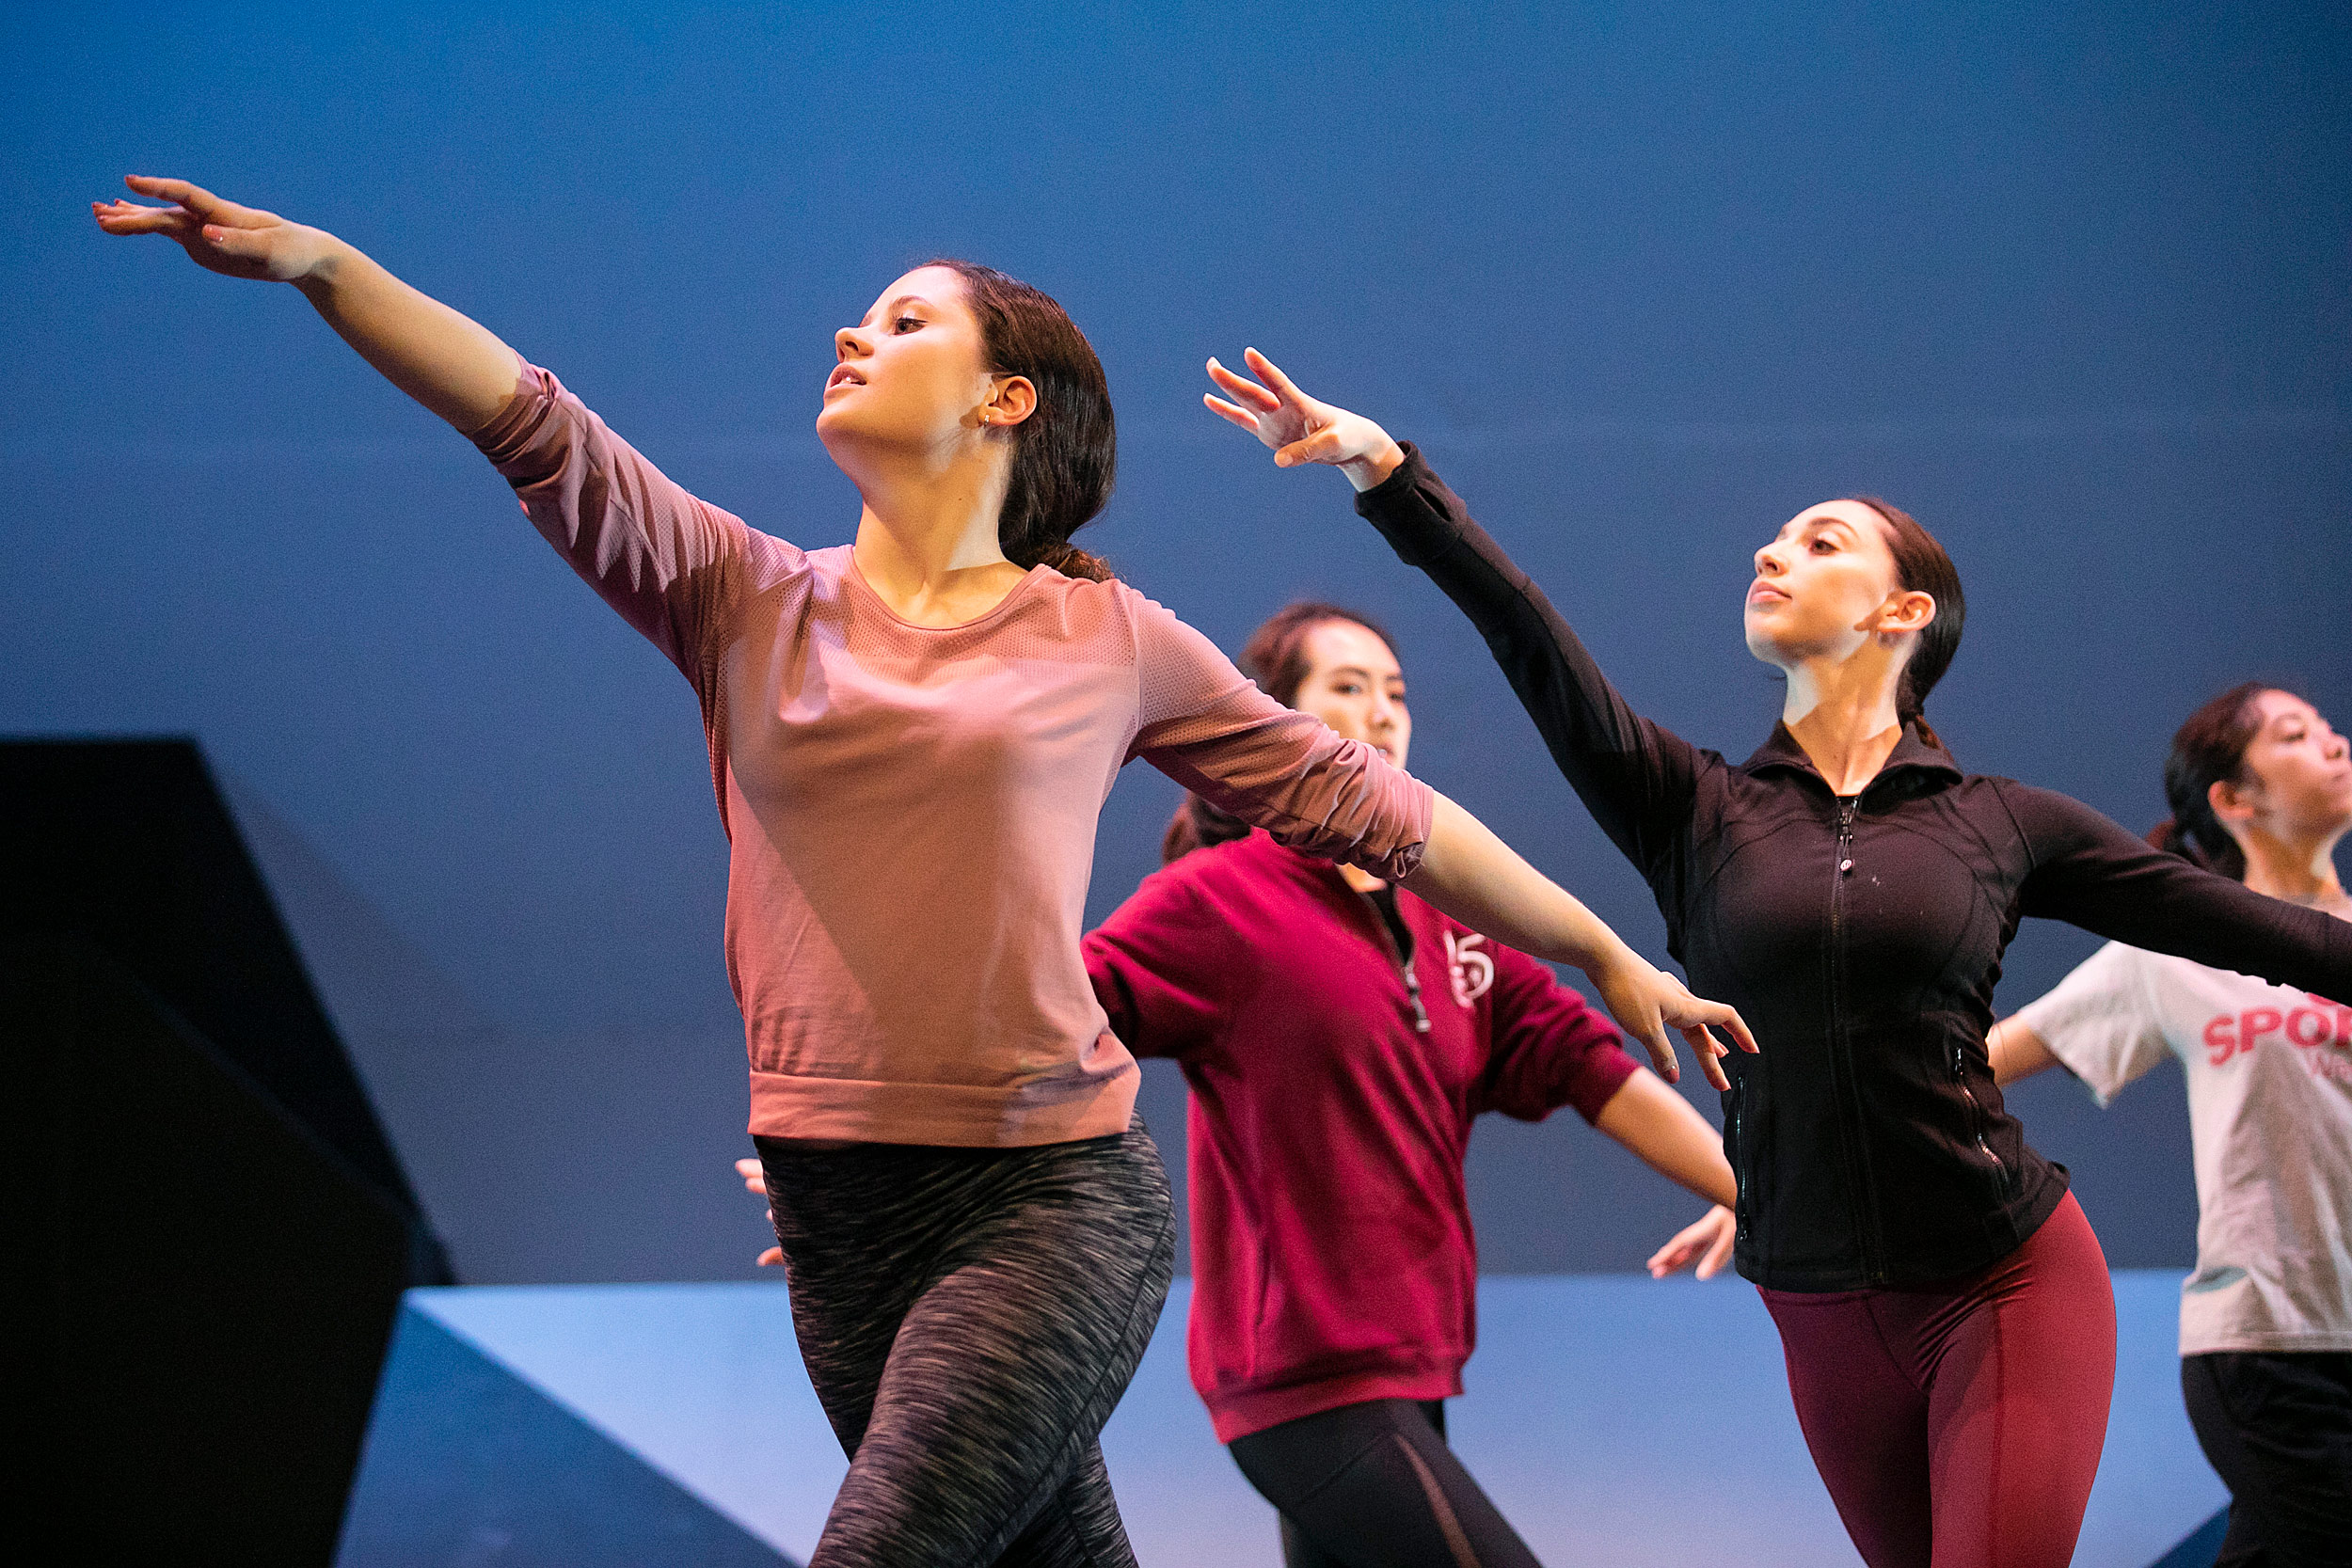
[[2270, 1113]]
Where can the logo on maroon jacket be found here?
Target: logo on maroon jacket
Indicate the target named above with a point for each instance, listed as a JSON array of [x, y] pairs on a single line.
[[1473, 971]]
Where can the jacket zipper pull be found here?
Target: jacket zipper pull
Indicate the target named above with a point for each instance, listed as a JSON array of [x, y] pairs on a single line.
[[1975, 1117], [1739, 1136], [1404, 964]]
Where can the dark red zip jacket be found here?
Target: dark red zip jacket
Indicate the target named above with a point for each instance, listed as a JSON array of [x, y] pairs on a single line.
[[1334, 1079], [1860, 936]]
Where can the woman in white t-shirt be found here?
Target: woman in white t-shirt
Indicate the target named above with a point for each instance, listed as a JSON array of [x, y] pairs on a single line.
[[2261, 789]]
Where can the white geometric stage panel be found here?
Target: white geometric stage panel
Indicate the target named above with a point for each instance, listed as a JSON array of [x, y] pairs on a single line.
[[1611, 1419]]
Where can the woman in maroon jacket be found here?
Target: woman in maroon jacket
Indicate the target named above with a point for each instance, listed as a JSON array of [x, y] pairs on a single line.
[[1945, 1308], [1339, 1036]]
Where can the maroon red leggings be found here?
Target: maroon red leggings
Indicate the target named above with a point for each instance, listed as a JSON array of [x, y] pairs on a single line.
[[1960, 1426]]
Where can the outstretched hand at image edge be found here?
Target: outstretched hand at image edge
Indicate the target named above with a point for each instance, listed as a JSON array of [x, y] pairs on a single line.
[[454, 366], [220, 235]]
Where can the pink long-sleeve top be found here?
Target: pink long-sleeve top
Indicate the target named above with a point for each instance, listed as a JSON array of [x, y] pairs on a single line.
[[911, 809]]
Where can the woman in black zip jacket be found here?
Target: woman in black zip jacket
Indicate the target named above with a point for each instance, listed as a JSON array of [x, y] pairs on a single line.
[[1945, 1311]]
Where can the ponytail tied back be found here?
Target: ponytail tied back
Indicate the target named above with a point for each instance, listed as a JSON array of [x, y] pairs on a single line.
[[1916, 717], [1922, 566], [2208, 749], [1065, 455], [1072, 561], [2172, 838], [1198, 825]]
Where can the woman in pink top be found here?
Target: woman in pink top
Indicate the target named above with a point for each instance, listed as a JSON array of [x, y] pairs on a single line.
[[910, 739]]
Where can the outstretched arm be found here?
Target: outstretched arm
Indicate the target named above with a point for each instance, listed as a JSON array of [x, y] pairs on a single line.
[[453, 365], [1482, 882], [2017, 1052], [1675, 1141], [662, 557], [1549, 1048], [1637, 778], [2091, 873], [1670, 1137], [1208, 728]]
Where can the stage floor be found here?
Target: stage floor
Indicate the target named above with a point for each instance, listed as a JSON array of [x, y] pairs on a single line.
[[1614, 1419]]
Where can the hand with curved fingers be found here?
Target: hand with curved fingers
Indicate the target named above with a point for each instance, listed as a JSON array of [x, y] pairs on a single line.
[[453, 365], [1708, 1242], [1646, 1002], [236, 242], [755, 1183], [1300, 428]]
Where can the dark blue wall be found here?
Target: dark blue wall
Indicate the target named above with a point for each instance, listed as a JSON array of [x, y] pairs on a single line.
[[2074, 283]]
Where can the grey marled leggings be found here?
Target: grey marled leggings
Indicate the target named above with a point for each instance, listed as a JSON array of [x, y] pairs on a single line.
[[969, 1318]]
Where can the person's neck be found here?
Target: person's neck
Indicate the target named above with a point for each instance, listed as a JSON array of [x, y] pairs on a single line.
[[926, 541], [2300, 873], [1843, 715]]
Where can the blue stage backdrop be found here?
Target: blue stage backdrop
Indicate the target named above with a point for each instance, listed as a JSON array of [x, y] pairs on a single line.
[[2069, 281]]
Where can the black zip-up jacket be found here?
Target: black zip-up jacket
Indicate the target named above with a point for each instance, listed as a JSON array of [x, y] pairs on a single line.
[[1860, 936]]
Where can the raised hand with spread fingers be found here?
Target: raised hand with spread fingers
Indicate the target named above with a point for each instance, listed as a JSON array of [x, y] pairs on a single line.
[[1647, 1003], [1300, 428]]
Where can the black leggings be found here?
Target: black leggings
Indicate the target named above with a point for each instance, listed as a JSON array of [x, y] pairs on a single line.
[[969, 1317], [2279, 1429], [1374, 1485]]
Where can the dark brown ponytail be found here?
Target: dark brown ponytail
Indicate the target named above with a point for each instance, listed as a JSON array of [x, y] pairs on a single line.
[[1065, 455], [1921, 566], [1198, 825], [2208, 749], [1275, 657]]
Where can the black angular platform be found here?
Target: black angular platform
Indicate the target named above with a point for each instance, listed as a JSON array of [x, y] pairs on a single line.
[[210, 1233]]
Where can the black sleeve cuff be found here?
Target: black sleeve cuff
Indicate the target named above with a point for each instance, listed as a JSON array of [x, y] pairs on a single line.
[[1413, 510]]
